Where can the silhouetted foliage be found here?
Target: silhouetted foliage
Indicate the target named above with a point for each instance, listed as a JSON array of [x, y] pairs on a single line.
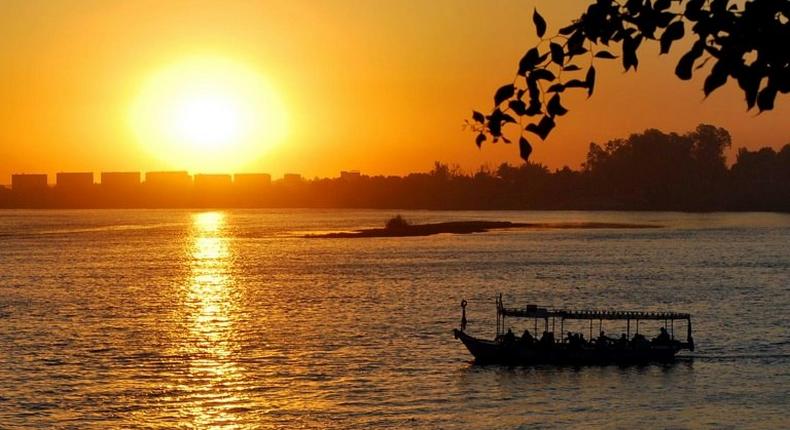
[[398, 222], [654, 169], [743, 41]]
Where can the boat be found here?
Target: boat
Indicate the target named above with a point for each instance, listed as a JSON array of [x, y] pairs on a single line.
[[506, 348]]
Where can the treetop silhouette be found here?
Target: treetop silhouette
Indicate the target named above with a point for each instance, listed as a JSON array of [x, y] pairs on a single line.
[[745, 42]]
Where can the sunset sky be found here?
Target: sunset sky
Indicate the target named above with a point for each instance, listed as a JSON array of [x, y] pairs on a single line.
[[313, 87]]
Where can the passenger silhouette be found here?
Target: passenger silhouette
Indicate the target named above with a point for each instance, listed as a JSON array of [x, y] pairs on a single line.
[[662, 338], [510, 338], [527, 338], [547, 339]]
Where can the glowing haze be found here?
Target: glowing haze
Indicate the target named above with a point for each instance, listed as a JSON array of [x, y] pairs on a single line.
[[305, 86], [207, 114]]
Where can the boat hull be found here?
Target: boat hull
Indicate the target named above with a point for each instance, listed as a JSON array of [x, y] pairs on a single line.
[[487, 351]]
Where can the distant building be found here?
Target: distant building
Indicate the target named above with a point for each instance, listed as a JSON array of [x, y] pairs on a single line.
[[73, 180], [211, 182], [350, 174], [251, 180], [167, 189], [120, 180], [26, 182], [173, 179], [292, 178]]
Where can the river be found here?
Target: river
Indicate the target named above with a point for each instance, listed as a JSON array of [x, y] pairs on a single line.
[[232, 320]]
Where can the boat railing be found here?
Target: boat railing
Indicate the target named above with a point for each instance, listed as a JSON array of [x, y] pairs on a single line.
[[533, 311]]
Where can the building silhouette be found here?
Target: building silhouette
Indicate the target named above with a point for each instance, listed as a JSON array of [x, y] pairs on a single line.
[[292, 179], [30, 190], [28, 182], [252, 189], [251, 181], [350, 175], [212, 190], [74, 181], [120, 190], [174, 179], [167, 189], [212, 182], [74, 190], [120, 181]]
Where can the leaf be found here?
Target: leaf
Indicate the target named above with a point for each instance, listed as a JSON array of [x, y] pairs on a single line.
[[575, 41], [605, 55], [576, 50], [534, 108], [569, 29], [703, 63], [544, 74], [503, 93], [556, 88], [664, 18], [693, 9], [783, 83], [540, 23], [546, 125], [718, 6], [589, 80], [717, 78], [765, 100], [557, 54], [554, 108], [528, 61], [495, 121], [749, 81], [524, 148], [662, 4], [542, 128], [629, 53], [478, 117], [575, 83], [674, 31], [571, 68], [533, 88], [683, 69], [518, 106], [480, 139]]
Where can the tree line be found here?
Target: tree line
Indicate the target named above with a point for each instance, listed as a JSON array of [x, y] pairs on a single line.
[[651, 170]]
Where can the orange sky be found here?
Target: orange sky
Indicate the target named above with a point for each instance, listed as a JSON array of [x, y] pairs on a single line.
[[376, 86]]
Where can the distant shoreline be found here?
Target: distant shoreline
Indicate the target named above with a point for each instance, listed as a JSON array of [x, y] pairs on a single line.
[[467, 227]]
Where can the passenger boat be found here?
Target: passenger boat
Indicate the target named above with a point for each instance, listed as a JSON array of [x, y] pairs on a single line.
[[506, 348]]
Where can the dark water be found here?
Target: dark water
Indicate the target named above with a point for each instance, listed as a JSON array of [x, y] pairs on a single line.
[[228, 320]]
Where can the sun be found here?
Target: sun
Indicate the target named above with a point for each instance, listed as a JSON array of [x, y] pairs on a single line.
[[207, 115], [207, 121]]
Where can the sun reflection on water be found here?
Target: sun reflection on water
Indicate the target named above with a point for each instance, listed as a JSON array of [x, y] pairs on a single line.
[[216, 383]]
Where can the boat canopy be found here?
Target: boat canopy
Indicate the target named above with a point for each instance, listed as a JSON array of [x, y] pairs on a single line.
[[535, 311]]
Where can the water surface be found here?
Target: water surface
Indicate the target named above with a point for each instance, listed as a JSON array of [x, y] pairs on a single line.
[[230, 320]]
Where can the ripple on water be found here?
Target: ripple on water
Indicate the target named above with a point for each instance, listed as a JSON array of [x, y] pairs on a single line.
[[163, 319]]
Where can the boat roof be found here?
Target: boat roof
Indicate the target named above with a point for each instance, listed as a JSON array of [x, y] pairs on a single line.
[[534, 311]]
